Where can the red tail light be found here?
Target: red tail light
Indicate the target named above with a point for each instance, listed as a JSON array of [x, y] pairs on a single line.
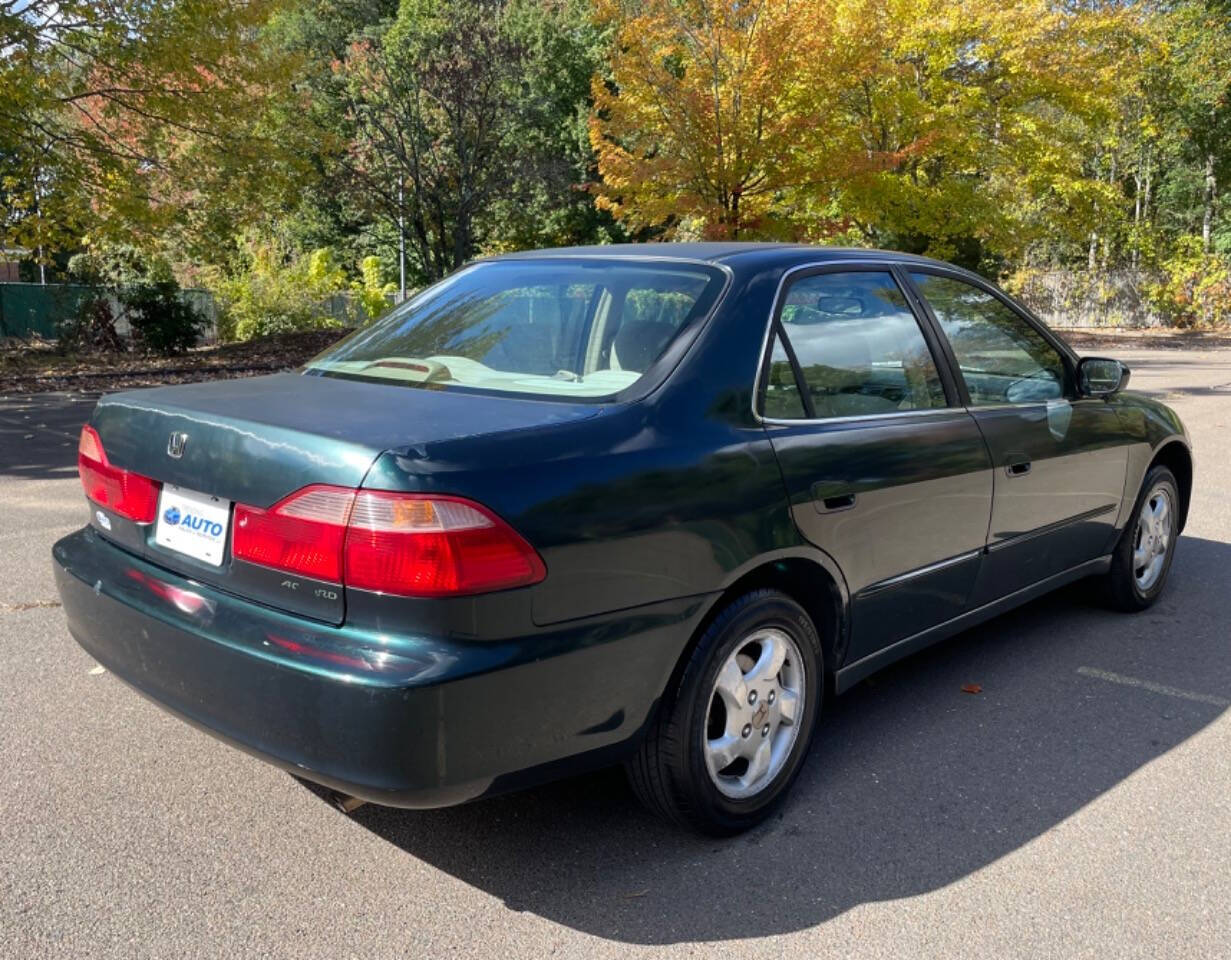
[[430, 546], [413, 545], [129, 494], [301, 534]]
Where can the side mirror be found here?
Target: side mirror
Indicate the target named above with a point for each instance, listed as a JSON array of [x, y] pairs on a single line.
[[1100, 377]]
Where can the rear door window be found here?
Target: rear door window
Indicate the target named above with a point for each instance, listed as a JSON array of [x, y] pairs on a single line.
[[859, 348]]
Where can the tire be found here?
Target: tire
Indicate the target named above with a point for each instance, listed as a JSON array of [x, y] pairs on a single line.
[[1132, 585], [679, 771]]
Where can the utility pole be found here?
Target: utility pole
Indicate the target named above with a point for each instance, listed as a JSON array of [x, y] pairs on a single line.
[[38, 213]]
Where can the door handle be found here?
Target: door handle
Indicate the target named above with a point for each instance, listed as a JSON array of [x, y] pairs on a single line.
[[1018, 469], [829, 496], [833, 504]]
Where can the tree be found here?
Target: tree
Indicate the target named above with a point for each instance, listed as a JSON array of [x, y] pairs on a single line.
[[461, 116], [933, 126], [707, 108], [126, 117], [1200, 36], [976, 124]]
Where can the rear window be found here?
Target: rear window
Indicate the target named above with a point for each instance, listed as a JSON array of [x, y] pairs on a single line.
[[553, 328]]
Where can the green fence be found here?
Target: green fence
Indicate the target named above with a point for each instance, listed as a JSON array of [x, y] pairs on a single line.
[[28, 309], [33, 309]]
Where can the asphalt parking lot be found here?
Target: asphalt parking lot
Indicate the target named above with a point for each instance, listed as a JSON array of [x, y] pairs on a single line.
[[1079, 806]]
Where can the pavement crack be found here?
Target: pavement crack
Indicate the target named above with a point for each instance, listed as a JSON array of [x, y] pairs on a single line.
[[31, 605]]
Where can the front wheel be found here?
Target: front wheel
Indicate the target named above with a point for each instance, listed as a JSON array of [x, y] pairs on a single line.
[[1142, 558], [731, 736]]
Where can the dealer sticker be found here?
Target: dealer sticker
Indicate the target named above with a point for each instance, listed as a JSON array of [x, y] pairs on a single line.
[[193, 523]]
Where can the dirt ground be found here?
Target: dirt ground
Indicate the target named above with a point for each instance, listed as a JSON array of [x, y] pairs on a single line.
[[38, 367]]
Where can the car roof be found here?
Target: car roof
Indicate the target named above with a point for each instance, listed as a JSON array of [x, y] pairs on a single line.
[[716, 252]]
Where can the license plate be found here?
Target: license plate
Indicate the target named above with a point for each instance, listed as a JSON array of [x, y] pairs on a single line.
[[192, 523]]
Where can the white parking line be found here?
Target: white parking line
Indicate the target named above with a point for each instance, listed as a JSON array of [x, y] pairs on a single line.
[[1153, 687]]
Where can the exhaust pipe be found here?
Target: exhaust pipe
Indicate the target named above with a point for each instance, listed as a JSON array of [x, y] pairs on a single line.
[[344, 802]]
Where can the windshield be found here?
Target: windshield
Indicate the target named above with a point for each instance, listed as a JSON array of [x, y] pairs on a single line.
[[555, 328]]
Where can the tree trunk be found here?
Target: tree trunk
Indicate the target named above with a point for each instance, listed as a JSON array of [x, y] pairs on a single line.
[[1211, 193]]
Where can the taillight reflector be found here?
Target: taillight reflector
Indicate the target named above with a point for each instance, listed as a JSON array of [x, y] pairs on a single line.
[[129, 494], [414, 545]]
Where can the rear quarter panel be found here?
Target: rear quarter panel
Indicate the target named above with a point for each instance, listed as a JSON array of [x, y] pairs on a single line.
[[664, 498]]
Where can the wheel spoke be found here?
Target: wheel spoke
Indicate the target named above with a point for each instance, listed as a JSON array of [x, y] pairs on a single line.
[[788, 706], [1140, 556], [732, 687], [773, 655], [724, 751], [1162, 517], [758, 764]]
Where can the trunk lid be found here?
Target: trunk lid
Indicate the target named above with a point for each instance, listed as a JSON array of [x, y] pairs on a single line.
[[255, 441]]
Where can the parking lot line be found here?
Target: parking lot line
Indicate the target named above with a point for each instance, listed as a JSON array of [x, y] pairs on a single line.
[[1153, 687]]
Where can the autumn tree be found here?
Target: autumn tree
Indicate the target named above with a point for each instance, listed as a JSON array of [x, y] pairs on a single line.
[[934, 126], [128, 116], [708, 106], [976, 123]]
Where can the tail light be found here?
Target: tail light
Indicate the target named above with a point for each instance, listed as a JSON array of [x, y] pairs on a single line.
[[129, 494], [301, 534], [409, 544]]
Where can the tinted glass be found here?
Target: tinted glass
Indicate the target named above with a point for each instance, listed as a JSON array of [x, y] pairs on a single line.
[[859, 347], [1002, 357], [782, 398], [548, 327]]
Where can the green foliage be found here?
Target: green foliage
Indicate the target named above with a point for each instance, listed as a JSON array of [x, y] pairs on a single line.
[[1196, 287], [162, 321], [146, 293], [371, 292], [161, 136], [467, 120], [161, 122], [275, 291]]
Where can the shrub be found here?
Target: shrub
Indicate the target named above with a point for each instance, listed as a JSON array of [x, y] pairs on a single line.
[[373, 296], [1196, 287], [92, 327], [275, 293], [161, 321]]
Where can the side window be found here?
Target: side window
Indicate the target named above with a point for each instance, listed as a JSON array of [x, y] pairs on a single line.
[[859, 346], [1003, 358], [782, 397]]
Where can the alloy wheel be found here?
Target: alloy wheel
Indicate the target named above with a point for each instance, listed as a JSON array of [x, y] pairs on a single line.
[[754, 712], [1153, 538]]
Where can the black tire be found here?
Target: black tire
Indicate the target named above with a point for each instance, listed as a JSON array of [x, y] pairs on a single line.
[[1122, 587], [669, 771]]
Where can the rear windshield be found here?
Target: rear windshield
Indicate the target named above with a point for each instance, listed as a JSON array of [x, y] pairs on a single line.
[[554, 328]]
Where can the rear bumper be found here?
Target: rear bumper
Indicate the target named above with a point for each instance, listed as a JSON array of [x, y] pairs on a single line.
[[396, 718]]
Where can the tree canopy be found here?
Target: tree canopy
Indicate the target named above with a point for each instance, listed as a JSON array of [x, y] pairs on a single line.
[[236, 138]]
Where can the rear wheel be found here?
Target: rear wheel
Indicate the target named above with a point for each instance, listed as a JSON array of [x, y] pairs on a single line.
[[1142, 558], [731, 736]]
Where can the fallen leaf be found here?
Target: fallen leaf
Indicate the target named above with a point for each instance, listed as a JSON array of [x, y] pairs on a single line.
[[971, 688]]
